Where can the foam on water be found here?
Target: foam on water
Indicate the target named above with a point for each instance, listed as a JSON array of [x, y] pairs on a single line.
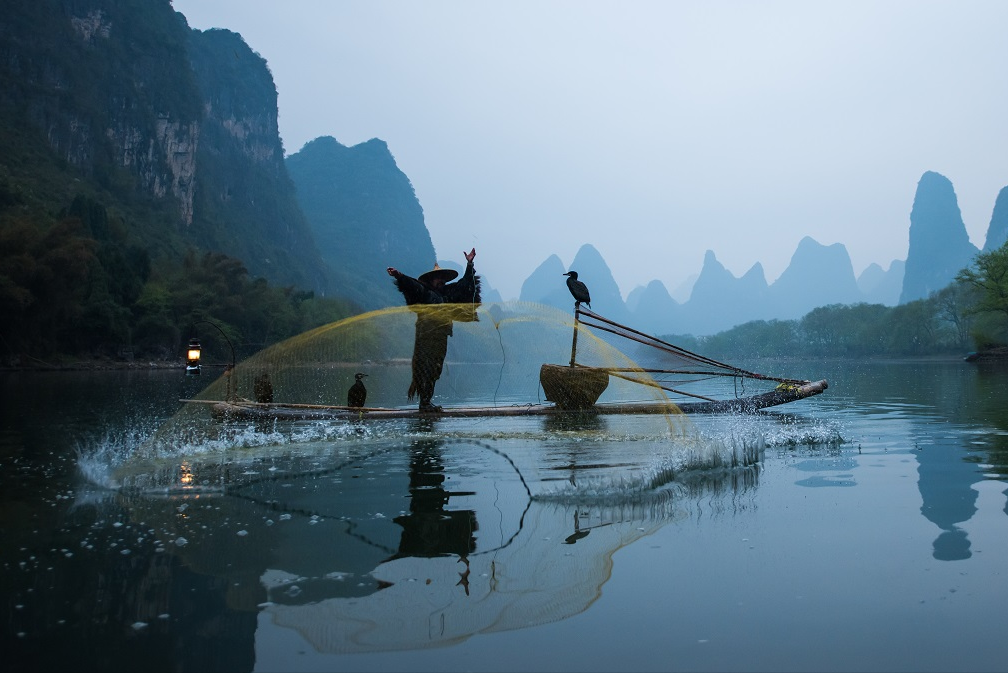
[[601, 458]]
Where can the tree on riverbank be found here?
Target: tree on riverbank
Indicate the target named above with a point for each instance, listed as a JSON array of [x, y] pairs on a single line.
[[988, 276], [933, 326]]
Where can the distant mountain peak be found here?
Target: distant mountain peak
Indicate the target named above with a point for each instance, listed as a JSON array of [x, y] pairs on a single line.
[[755, 274], [939, 243], [997, 232]]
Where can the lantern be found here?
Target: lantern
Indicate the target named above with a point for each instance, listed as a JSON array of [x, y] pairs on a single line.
[[192, 357]]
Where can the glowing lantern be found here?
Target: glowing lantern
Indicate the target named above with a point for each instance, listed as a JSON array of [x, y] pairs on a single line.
[[192, 357]]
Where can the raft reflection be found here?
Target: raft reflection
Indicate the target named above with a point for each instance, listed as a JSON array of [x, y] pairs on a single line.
[[543, 561], [408, 546]]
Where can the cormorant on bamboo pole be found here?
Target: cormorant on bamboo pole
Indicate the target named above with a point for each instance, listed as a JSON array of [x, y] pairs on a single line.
[[578, 289], [357, 393]]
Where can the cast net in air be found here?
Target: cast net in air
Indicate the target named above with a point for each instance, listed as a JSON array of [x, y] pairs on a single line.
[[493, 365], [493, 358], [494, 361]]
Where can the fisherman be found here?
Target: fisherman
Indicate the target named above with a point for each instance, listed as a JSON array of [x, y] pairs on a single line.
[[434, 325]]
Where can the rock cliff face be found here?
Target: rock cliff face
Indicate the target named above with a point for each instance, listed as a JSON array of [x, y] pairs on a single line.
[[939, 244], [546, 285], [132, 100], [997, 232], [107, 85], [150, 111], [880, 286], [364, 215], [818, 275], [245, 200]]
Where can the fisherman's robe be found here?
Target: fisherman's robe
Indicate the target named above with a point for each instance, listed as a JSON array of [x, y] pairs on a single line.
[[436, 311]]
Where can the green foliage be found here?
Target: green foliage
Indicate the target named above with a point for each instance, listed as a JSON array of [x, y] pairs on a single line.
[[45, 276], [86, 91], [216, 288], [988, 276], [923, 327], [955, 305], [759, 338], [76, 286]]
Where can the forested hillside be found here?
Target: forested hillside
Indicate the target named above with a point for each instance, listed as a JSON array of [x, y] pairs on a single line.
[[142, 188]]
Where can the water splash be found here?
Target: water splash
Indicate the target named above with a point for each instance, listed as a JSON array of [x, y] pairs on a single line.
[[666, 470]]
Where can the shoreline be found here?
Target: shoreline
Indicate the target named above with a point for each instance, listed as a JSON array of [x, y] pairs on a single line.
[[995, 354], [27, 364]]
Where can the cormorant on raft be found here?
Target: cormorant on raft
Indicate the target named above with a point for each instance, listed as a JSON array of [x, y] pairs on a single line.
[[357, 393], [578, 289], [263, 388]]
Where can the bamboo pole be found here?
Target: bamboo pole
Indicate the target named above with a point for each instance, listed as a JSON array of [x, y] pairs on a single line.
[[577, 315]]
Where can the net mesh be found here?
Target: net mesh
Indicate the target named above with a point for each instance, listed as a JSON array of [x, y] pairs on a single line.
[[491, 361], [682, 374], [492, 364]]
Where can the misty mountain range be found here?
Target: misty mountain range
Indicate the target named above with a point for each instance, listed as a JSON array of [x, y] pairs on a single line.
[[329, 192], [818, 275], [176, 131]]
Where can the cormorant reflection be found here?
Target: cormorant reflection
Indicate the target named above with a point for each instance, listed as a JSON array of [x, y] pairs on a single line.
[[586, 421], [431, 529], [578, 533]]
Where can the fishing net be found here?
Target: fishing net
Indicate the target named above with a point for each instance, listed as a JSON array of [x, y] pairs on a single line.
[[411, 549], [506, 382], [493, 364], [372, 533]]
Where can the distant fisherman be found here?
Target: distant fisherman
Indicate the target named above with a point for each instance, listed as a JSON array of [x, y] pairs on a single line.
[[578, 289]]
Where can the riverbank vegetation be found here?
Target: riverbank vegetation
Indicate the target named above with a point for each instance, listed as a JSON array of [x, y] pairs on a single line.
[[79, 287], [969, 314]]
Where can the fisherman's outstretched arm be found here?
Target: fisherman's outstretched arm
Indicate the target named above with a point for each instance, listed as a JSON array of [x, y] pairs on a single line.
[[413, 290], [467, 288]]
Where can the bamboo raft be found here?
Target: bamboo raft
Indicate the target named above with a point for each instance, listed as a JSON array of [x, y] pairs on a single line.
[[247, 410], [571, 390]]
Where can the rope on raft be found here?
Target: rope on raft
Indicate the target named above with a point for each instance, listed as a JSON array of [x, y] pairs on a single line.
[[599, 322]]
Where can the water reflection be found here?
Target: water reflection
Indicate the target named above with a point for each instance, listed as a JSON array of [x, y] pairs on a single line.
[[833, 471], [402, 545], [224, 560], [954, 417], [551, 567], [432, 527], [945, 480]]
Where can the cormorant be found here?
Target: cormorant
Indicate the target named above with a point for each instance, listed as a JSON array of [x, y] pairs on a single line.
[[357, 393], [263, 388], [578, 289]]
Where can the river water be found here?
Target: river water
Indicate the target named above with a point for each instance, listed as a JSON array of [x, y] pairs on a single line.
[[862, 529]]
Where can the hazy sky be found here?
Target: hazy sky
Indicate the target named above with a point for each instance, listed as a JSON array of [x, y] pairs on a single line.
[[653, 130]]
